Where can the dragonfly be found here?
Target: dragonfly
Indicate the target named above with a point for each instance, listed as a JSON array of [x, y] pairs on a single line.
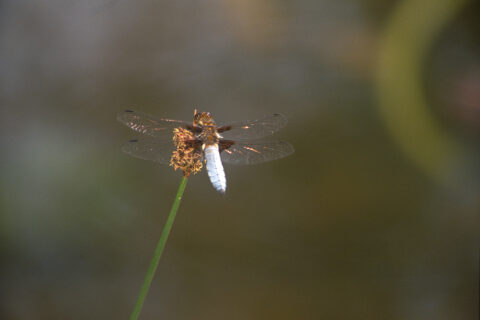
[[234, 143]]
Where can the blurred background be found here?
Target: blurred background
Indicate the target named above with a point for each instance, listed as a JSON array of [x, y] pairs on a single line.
[[375, 216]]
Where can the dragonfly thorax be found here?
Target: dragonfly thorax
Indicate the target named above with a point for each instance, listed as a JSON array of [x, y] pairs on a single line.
[[209, 135]]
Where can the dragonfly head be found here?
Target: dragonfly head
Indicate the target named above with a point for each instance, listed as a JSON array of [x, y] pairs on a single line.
[[203, 119]]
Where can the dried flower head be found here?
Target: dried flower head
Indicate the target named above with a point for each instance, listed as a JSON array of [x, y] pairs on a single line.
[[186, 156]]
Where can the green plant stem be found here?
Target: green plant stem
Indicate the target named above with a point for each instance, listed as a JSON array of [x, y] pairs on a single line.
[[158, 251]]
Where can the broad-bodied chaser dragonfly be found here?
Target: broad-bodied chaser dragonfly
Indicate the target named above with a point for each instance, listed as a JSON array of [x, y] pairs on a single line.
[[233, 143]]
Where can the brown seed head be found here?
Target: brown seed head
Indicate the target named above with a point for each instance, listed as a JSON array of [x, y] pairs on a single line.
[[185, 157]]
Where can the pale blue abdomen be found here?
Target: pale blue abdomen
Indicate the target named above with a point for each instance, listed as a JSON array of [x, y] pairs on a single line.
[[215, 168]]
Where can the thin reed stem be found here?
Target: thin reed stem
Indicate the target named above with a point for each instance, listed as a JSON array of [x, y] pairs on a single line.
[[158, 251]]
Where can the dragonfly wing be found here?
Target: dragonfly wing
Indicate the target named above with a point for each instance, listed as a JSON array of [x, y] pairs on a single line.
[[253, 129], [146, 124], [253, 152], [150, 149]]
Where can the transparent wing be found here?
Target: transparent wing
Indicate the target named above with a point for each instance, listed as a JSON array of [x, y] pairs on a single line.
[[253, 129], [254, 152], [148, 148], [146, 124]]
